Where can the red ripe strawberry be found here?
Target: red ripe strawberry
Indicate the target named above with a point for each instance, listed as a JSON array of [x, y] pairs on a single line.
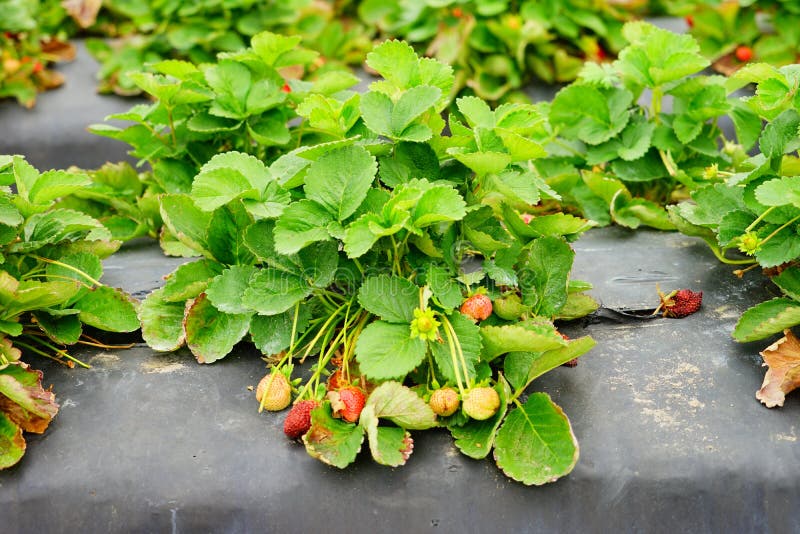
[[477, 307], [444, 401], [286, 89], [681, 303], [38, 67], [458, 12], [690, 21], [744, 53], [481, 403], [601, 53], [347, 403], [298, 420]]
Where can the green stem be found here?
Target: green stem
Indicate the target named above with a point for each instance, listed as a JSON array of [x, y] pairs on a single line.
[[786, 224], [759, 219], [69, 268], [459, 350], [457, 373], [668, 162], [655, 108], [721, 257], [55, 349]]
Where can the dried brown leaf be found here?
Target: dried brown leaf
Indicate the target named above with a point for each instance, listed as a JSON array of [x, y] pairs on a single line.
[[83, 11], [783, 374]]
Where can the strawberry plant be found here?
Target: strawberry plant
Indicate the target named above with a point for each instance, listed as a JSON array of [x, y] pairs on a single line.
[[33, 35], [629, 137], [497, 47], [754, 215], [733, 33], [241, 103], [149, 31], [49, 291], [359, 244]]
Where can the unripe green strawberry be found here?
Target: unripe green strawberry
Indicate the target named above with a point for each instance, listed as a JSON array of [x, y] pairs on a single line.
[[509, 307], [481, 403], [444, 401], [477, 307], [274, 388]]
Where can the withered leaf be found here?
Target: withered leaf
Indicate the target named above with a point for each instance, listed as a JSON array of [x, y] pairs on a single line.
[[783, 374], [83, 11]]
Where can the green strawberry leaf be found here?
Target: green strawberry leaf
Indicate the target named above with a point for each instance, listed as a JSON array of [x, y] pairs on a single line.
[[767, 318], [210, 333], [499, 340], [189, 280], [332, 441], [400, 405], [185, 221], [225, 238], [226, 289], [522, 368], [778, 134], [302, 223], [64, 330], [789, 282], [272, 333], [592, 114], [339, 180], [657, 56], [12, 444], [391, 298], [387, 351], [108, 309], [389, 445], [162, 321], [444, 288], [536, 444], [229, 176], [272, 292], [781, 191], [544, 275]]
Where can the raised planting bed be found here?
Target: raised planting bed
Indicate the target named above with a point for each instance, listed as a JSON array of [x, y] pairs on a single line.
[[670, 434]]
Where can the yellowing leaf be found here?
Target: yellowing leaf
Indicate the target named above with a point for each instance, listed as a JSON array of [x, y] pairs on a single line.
[[783, 360]]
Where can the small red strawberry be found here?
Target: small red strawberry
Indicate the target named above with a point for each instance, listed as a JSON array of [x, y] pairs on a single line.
[[274, 392], [689, 21], [481, 403], [477, 307], [286, 89], [680, 303], [744, 53], [347, 403], [458, 12], [601, 53], [444, 401], [298, 420], [38, 67]]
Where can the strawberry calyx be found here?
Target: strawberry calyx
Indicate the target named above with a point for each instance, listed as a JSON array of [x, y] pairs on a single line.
[[425, 325], [679, 303]]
